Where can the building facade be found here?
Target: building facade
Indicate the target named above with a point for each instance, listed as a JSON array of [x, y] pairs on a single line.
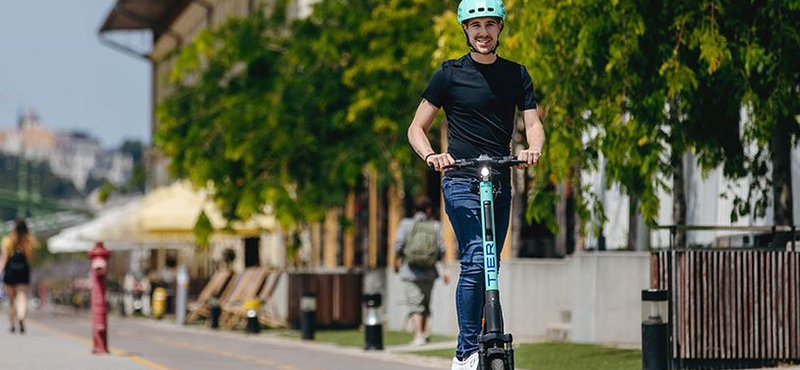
[[75, 156]]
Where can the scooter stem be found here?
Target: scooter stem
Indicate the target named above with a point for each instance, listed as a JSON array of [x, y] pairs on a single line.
[[492, 311]]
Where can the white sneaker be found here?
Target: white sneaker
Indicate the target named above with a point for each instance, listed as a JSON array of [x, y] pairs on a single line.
[[419, 341], [470, 363]]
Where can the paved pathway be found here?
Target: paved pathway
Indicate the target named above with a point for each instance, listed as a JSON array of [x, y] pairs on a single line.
[[61, 341]]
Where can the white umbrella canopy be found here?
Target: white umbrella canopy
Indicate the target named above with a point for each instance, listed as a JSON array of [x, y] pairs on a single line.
[[174, 210], [110, 226], [163, 218], [67, 241]]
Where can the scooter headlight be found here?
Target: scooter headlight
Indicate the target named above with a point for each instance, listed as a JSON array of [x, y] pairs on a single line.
[[485, 171]]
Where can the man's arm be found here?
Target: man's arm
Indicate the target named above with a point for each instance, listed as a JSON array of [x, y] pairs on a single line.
[[418, 136], [534, 132]]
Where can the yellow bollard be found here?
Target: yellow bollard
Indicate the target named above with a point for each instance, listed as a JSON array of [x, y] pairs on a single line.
[[159, 302], [251, 310]]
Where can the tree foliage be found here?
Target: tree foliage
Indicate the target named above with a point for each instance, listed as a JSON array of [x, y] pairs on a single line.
[[291, 119], [268, 111]]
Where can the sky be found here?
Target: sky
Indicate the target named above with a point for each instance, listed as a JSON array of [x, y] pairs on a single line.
[[52, 61]]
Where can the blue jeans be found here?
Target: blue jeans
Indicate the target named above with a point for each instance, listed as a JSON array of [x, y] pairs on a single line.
[[463, 209]]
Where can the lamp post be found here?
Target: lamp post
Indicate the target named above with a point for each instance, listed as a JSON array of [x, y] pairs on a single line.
[[308, 309], [373, 328], [214, 312], [655, 329], [251, 311], [181, 295]]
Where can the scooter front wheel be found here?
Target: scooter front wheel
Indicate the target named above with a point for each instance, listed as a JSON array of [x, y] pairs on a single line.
[[498, 364]]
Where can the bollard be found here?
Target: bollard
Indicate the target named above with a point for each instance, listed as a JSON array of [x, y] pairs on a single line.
[[655, 332], [308, 309], [181, 295], [251, 311], [99, 265], [373, 328], [159, 302], [214, 312]]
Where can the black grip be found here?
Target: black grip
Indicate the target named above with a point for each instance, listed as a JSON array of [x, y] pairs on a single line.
[[461, 163], [515, 162], [511, 161]]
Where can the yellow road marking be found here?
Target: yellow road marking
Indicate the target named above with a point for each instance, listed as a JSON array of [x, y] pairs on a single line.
[[148, 363], [222, 353], [116, 352], [154, 365]]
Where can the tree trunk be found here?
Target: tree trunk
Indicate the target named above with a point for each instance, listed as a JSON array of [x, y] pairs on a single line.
[[394, 216], [678, 197], [577, 228], [678, 181], [633, 222], [561, 220], [782, 172], [330, 245], [781, 151], [374, 220], [349, 248], [520, 182]]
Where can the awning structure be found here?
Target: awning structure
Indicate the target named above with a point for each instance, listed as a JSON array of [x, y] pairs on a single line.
[[173, 210], [141, 23], [114, 227], [165, 218]]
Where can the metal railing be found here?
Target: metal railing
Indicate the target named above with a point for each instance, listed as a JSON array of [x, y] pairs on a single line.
[[774, 230]]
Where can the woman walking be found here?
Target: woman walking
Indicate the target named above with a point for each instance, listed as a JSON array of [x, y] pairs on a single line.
[[15, 262]]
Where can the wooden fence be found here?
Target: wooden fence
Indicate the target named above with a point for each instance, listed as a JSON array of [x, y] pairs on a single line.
[[731, 308], [338, 298]]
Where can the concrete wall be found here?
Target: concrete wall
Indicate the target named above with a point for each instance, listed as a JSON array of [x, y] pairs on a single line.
[[605, 294], [588, 297]]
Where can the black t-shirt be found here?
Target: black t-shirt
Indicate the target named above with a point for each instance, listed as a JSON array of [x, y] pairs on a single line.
[[479, 101]]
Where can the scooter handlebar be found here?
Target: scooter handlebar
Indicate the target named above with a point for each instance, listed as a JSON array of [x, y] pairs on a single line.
[[507, 161]]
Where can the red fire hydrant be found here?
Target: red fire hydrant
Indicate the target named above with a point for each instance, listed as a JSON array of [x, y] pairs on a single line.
[[99, 262]]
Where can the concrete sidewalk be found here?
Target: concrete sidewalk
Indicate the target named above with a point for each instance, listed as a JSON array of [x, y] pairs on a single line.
[[165, 346], [62, 342], [41, 349]]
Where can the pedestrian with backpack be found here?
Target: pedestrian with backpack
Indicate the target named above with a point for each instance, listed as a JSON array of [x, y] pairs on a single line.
[[418, 247], [15, 262]]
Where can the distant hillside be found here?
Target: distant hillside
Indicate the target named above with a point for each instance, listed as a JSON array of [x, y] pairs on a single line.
[[51, 187]]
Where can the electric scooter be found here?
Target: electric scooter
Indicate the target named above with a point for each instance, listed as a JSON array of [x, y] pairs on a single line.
[[495, 350]]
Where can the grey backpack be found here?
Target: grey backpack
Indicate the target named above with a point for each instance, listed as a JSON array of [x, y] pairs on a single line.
[[421, 249]]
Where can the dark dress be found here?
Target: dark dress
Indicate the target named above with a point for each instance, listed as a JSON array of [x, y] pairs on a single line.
[[17, 270]]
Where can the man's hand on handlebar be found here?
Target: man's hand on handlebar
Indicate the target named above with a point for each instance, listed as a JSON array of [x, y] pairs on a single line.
[[531, 156], [438, 161]]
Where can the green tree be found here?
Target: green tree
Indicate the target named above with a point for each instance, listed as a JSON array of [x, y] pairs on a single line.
[[639, 82], [765, 38], [217, 126], [293, 120], [388, 76], [323, 151]]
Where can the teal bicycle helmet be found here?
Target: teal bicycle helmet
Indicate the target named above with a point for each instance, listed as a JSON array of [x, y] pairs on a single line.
[[469, 9]]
